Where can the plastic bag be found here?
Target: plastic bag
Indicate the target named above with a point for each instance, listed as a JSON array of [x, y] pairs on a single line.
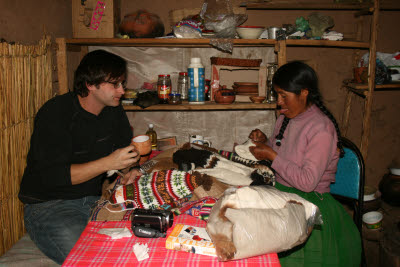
[[255, 220], [219, 17]]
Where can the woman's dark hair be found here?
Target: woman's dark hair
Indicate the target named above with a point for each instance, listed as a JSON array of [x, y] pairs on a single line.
[[295, 76], [97, 67]]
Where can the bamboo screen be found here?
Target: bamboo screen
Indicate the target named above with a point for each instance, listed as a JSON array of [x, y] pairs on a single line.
[[25, 84]]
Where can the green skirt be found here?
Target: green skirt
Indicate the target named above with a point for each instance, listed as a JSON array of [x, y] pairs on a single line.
[[336, 242]]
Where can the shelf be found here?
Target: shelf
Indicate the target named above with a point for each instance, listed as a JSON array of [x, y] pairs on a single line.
[[180, 42], [363, 88], [185, 106], [293, 5], [327, 43]]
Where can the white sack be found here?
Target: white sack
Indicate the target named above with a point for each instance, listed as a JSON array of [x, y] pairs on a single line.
[[255, 220]]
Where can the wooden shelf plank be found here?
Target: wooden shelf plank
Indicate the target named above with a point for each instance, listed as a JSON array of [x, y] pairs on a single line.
[[362, 89], [327, 43], [185, 106], [168, 42], [295, 5], [180, 42], [364, 86]]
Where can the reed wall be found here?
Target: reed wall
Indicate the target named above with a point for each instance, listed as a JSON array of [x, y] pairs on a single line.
[[25, 84]]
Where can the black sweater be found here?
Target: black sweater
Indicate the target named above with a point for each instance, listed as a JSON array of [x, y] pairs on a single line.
[[64, 134]]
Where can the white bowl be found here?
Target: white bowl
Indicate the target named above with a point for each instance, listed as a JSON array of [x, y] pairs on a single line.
[[249, 32], [395, 171], [369, 193]]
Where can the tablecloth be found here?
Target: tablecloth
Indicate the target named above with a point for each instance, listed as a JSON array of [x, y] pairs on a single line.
[[93, 249]]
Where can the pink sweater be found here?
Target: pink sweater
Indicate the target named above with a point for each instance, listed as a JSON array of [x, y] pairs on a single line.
[[307, 158]]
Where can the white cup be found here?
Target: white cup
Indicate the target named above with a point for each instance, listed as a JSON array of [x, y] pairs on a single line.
[[198, 139]]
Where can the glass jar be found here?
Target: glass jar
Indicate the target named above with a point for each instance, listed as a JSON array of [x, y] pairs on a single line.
[[271, 94], [164, 87], [183, 85], [174, 99]]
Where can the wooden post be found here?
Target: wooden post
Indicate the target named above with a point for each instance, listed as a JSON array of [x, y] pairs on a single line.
[[280, 49], [371, 82], [62, 66], [346, 114]]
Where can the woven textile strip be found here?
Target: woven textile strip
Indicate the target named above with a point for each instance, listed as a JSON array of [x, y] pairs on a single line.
[[162, 188]]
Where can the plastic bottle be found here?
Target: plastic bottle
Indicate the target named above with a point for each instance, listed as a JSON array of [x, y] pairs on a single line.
[[153, 136], [196, 81]]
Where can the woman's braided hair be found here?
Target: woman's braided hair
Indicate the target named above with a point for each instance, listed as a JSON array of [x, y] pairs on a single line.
[[295, 76]]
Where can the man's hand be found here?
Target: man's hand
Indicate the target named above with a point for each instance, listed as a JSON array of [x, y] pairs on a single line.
[[130, 176], [122, 158], [258, 136]]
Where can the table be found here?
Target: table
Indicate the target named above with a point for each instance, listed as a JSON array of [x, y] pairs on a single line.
[[93, 249]]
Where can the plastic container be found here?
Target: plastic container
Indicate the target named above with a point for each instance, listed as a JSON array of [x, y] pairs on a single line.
[[196, 82], [164, 87], [153, 136], [373, 219], [183, 85]]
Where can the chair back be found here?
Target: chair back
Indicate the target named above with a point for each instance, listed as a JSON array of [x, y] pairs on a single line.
[[350, 178]]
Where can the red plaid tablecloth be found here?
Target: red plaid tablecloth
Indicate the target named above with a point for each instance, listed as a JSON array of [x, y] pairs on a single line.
[[93, 249]]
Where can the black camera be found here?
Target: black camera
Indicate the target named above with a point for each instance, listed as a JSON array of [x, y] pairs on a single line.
[[159, 220]]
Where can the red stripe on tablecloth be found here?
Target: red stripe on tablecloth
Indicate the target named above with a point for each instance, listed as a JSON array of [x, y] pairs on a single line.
[[93, 249]]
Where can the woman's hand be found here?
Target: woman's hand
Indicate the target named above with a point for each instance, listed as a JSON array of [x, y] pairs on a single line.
[[262, 151], [258, 136], [130, 176]]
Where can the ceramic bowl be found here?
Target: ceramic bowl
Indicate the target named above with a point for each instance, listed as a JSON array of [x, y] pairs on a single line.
[[257, 99], [372, 219], [369, 193], [395, 171], [224, 96], [245, 88], [249, 32]]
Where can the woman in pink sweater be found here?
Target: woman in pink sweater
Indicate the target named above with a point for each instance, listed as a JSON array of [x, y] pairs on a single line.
[[304, 150]]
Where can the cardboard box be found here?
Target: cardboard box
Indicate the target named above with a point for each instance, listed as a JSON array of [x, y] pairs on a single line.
[[190, 239], [221, 74], [95, 19]]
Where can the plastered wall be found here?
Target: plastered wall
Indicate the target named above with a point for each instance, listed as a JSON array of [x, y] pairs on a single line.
[[25, 21]]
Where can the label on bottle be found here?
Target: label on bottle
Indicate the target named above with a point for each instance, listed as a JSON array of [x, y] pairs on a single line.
[[164, 91]]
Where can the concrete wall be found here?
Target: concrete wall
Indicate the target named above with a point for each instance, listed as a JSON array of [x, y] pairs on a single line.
[[25, 21]]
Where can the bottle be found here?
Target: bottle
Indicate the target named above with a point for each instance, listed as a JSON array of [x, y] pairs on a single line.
[[196, 81], [271, 94], [164, 87], [183, 85], [153, 136]]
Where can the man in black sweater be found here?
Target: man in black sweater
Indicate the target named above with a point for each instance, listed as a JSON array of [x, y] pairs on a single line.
[[77, 138]]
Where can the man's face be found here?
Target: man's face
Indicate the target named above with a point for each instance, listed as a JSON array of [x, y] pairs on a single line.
[[108, 93]]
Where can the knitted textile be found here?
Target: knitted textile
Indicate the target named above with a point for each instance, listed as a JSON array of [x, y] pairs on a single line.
[[158, 189], [225, 170]]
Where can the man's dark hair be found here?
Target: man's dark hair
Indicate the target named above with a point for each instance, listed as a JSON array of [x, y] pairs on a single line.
[[97, 67]]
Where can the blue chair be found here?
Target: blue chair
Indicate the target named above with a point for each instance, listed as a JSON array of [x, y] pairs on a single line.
[[349, 185]]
